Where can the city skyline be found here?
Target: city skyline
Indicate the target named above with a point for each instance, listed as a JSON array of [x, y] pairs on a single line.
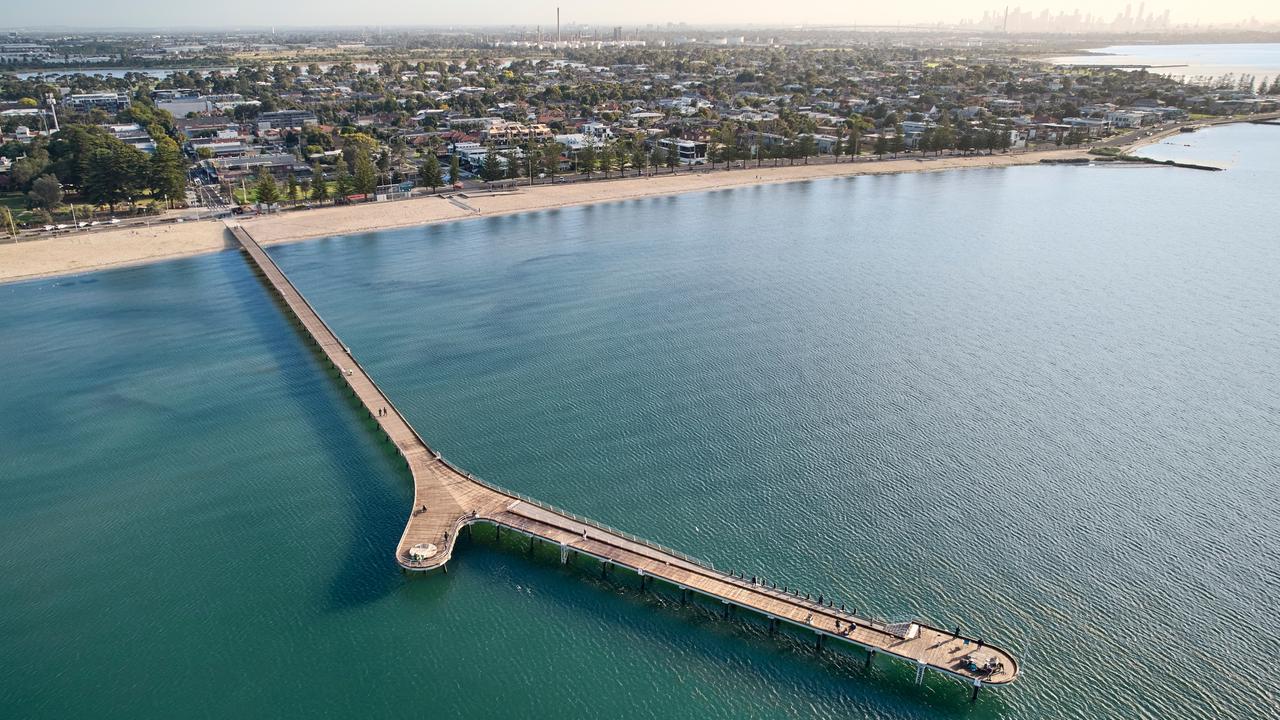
[[83, 15]]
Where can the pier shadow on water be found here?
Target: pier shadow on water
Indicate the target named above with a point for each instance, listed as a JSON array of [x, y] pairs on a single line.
[[611, 603], [365, 574]]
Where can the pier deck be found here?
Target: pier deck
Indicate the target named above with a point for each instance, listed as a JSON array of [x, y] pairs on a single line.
[[446, 499]]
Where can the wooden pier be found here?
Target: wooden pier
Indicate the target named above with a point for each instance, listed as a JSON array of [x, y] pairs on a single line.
[[446, 500]]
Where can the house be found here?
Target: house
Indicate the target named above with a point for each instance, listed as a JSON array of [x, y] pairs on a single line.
[[689, 152], [597, 130], [826, 144], [504, 132], [1126, 118], [1092, 127], [912, 130]]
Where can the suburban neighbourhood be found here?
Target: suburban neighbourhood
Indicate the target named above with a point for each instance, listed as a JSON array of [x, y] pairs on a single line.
[[266, 123]]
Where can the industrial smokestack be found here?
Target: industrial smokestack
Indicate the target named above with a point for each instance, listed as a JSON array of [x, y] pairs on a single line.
[[557, 24]]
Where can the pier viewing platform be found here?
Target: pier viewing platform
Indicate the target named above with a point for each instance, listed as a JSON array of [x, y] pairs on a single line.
[[447, 499]]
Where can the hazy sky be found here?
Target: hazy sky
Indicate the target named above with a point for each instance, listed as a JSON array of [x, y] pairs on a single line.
[[256, 13]]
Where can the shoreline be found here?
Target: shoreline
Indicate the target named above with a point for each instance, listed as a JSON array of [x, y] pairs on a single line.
[[80, 253], [104, 250], [1202, 124]]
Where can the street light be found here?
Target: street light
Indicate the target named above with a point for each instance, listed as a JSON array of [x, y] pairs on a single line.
[[73, 209]]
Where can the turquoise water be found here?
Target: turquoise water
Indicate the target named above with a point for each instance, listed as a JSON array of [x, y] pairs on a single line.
[[1041, 402]]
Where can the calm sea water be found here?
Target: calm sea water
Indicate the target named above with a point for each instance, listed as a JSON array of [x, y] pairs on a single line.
[[1040, 402], [1261, 60]]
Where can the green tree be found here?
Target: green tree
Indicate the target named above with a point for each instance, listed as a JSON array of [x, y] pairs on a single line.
[[658, 157], [512, 164], [25, 170], [319, 187], [605, 158], [267, 191], [551, 158], [491, 166], [343, 185], [355, 145], [293, 190], [533, 160], [882, 146], [671, 158], [715, 153], [429, 172], [791, 151], [944, 138], [455, 170], [639, 158], [806, 147], [925, 143], [586, 160], [167, 174], [6, 222], [838, 148], [366, 174], [855, 142], [46, 192], [114, 173], [990, 140]]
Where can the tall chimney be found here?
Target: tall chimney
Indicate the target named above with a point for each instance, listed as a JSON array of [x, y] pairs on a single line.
[[557, 24]]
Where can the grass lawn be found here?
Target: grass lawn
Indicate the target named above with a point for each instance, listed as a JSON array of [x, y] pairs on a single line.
[[251, 196], [16, 202]]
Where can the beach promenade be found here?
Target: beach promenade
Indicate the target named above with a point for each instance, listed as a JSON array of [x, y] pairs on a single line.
[[449, 501]]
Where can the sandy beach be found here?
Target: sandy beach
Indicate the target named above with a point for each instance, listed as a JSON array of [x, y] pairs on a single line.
[[83, 252]]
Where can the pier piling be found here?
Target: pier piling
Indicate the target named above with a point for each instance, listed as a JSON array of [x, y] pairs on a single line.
[[447, 499]]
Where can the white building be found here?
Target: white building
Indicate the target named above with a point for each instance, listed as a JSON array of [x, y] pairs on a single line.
[[23, 52], [688, 151]]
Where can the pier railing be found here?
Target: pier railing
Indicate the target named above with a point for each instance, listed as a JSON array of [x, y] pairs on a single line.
[[322, 334], [875, 623], [582, 520], [492, 486]]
